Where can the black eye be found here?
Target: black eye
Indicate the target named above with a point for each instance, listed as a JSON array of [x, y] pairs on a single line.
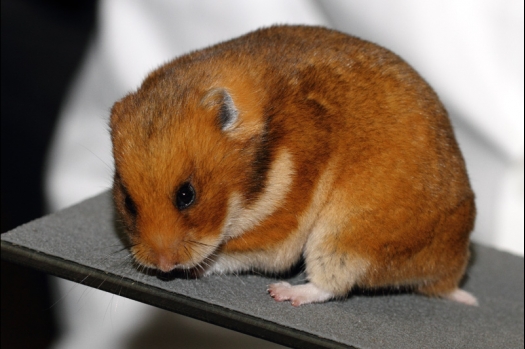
[[130, 205], [185, 196]]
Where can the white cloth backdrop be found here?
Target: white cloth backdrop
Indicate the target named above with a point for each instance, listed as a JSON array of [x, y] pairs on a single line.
[[470, 51]]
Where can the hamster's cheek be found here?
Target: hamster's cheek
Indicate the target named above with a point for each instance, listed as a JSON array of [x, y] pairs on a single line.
[[200, 251]]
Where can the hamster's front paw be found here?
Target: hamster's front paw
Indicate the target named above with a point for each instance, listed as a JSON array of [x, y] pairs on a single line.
[[298, 294]]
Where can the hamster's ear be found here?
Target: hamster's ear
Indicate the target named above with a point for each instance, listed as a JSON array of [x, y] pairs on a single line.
[[221, 100], [228, 113]]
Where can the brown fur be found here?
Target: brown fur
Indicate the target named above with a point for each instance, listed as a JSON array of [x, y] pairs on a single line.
[[341, 153]]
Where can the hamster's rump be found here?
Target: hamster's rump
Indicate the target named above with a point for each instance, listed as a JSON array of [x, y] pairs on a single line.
[[290, 142]]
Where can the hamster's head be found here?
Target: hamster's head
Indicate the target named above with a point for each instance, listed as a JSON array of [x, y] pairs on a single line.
[[183, 165]]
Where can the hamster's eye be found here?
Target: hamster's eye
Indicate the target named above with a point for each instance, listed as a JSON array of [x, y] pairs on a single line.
[[130, 205], [185, 196]]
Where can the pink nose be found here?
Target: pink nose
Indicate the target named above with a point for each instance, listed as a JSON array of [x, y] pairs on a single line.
[[165, 264]]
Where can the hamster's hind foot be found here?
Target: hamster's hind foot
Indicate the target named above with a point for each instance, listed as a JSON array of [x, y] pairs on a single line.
[[461, 296], [298, 294]]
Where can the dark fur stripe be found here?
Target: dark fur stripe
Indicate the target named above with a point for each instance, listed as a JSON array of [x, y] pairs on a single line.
[[261, 164]]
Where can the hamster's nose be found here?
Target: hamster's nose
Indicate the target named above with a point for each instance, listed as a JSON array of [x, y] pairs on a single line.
[[165, 263]]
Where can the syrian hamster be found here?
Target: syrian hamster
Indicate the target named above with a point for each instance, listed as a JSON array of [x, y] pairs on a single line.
[[294, 142]]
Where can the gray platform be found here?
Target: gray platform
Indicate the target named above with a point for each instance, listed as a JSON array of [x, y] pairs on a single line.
[[81, 244]]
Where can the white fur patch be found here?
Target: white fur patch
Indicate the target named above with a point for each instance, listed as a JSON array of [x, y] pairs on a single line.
[[290, 250], [279, 182]]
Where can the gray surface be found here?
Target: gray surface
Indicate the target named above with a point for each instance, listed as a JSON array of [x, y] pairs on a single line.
[[83, 238]]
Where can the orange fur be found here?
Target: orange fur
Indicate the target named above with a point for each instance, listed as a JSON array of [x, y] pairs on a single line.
[[340, 152]]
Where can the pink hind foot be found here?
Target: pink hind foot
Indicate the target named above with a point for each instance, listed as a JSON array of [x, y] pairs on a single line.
[[462, 296], [299, 294]]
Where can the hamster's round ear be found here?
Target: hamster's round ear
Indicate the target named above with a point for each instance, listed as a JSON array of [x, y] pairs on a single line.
[[221, 100]]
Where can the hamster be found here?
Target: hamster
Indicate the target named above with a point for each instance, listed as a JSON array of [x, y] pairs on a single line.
[[294, 143]]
